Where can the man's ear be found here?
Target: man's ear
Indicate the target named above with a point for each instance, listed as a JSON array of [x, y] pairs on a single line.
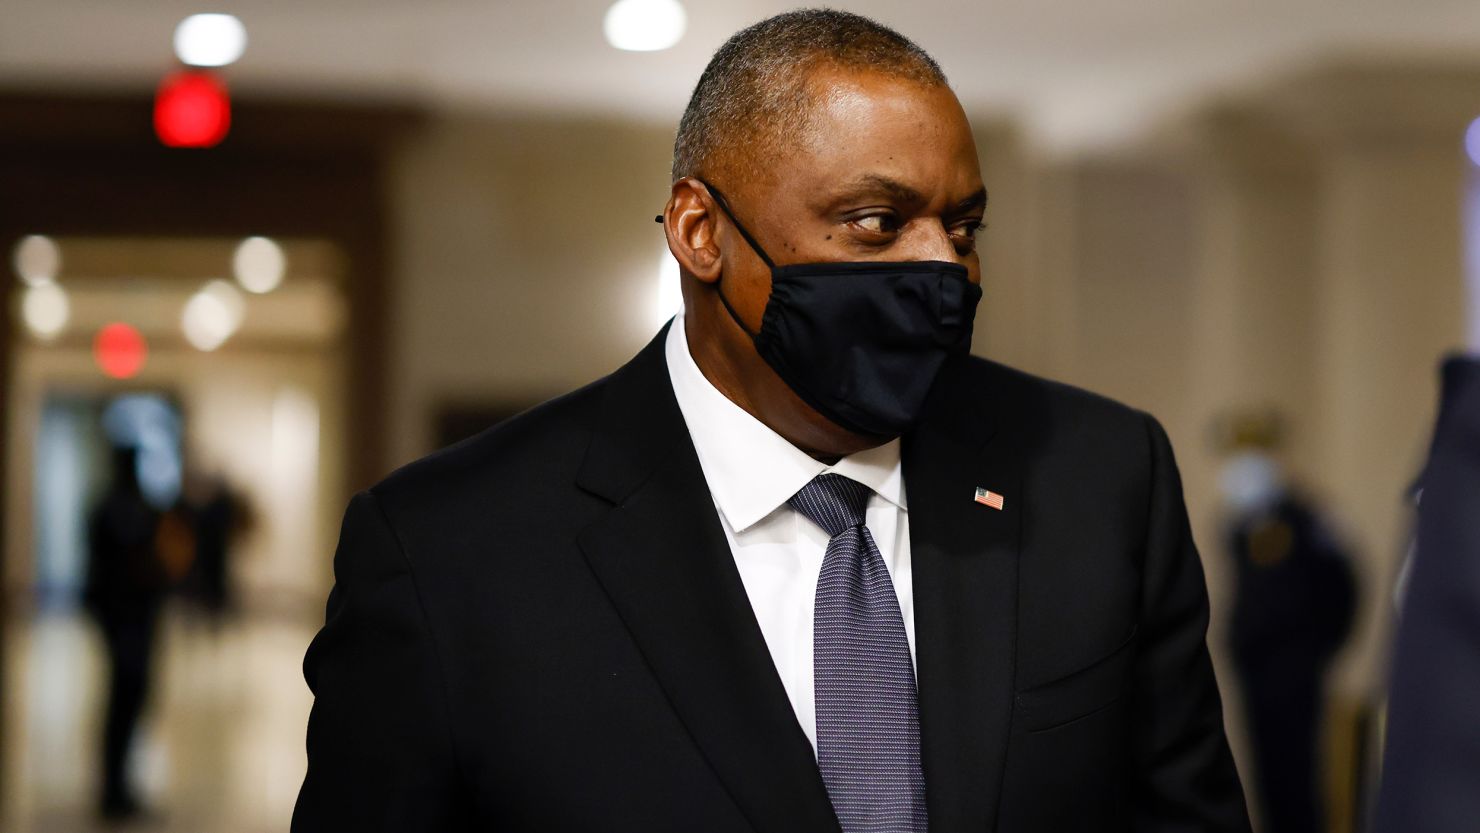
[[689, 222]]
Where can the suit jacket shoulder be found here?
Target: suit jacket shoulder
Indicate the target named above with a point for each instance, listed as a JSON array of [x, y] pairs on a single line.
[[1069, 431], [1033, 399], [514, 470]]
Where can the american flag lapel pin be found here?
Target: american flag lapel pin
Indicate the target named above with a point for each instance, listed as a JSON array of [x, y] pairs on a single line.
[[987, 498]]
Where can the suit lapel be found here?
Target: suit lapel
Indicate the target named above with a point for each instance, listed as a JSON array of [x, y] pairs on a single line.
[[964, 560], [662, 557]]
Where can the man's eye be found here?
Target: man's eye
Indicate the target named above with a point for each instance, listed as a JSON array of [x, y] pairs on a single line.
[[877, 224], [964, 237], [969, 230]]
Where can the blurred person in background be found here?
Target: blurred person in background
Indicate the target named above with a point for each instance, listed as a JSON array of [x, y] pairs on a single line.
[[126, 584], [217, 517], [1431, 762], [697, 594], [1293, 605]]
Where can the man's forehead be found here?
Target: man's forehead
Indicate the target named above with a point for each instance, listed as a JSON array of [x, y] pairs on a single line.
[[860, 129], [866, 105], [874, 134]]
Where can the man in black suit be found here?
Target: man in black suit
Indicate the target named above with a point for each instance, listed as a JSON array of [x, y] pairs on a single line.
[[802, 564]]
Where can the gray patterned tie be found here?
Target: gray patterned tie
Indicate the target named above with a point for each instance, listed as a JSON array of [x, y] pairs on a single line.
[[868, 722]]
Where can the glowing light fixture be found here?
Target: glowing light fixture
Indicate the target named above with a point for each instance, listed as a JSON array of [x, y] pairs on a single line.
[[259, 264], [212, 315], [1472, 142], [45, 310], [191, 110], [120, 350], [644, 25], [210, 40], [37, 259]]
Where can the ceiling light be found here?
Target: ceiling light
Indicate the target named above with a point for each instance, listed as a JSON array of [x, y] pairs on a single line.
[[644, 25], [45, 310], [259, 264], [210, 40], [37, 259], [212, 315]]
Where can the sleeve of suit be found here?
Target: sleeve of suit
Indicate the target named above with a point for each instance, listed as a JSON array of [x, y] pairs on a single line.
[[380, 751], [1431, 764], [1185, 776]]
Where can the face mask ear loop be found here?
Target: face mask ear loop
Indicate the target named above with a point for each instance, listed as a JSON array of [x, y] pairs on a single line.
[[734, 315], [719, 200], [725, 207]]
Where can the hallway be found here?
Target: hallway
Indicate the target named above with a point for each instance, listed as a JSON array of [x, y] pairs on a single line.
[[221, 746]]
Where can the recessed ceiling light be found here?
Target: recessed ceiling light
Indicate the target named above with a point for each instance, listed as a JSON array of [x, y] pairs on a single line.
[[210, 40], [645, 25], [259, 264], [45, 310], [37, 259], [212, 315]]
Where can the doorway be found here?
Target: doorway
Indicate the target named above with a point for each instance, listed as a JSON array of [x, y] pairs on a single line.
[[224, 384]]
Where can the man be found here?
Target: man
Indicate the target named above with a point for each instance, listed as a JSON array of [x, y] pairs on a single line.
[[1432, 759], [802, 564], [125, 589], [1293, 601]]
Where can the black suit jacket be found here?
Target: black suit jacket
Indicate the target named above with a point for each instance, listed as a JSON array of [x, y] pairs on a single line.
[[543, 629], [1431, 766]]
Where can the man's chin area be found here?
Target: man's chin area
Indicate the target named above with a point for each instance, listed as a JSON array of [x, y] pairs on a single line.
[[781, 408], [829, 442]]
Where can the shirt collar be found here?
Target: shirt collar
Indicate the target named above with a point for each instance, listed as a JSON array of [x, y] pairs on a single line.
[[752, 470]]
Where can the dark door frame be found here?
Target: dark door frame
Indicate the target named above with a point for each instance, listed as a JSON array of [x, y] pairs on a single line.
[[89, 164]]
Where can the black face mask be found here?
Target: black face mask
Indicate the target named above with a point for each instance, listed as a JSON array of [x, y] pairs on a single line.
[[861, 341]]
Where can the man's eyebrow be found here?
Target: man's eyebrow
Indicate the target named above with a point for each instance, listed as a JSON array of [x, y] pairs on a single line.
[[871, 184], [868, 185], [973, 202]]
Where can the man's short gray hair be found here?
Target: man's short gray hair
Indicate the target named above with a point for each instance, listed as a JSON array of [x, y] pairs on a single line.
[[755, 94]]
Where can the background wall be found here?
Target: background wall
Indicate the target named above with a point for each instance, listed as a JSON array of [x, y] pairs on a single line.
[[526, 260]]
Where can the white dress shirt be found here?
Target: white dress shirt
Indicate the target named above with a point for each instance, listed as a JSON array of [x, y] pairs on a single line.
[[751, 472]]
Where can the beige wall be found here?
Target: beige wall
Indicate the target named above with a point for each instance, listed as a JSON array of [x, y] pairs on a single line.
[[1334, 283], [526, 260], [1314, 265]]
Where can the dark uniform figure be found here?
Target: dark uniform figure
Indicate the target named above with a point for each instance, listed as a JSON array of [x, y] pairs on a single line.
[[215, 515], [1292, 611], [124, 592]]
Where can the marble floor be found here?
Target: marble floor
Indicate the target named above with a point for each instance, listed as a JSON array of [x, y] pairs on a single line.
[[221, 745]]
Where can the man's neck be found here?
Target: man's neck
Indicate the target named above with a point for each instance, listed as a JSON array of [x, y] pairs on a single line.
[[727, 366]]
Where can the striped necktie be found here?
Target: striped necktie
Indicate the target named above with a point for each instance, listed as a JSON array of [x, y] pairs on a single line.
[[868, 724]]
